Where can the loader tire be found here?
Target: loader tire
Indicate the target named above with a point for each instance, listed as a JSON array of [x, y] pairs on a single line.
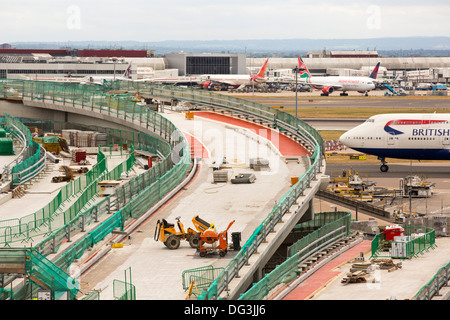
[[173, 242], [194, 241]]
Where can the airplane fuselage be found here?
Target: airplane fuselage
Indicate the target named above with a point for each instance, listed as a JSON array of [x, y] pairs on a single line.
[[402, 136], [361, 84], [230, 79]]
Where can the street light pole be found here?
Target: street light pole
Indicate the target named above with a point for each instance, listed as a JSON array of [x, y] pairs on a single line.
[[296, 91]]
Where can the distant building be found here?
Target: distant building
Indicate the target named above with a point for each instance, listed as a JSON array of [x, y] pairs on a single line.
[[207, 63], [342, 54], [5, 46], [106, 53]]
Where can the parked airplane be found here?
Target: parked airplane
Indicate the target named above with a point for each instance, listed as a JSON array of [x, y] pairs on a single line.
[[235, 80], [100, 80], [332, 83], [402, 136]]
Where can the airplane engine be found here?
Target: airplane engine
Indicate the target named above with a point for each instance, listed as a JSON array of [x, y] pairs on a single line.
[[327, 90], [206, 84]]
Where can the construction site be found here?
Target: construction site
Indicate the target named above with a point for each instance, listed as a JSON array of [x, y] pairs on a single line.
[[234, 212]]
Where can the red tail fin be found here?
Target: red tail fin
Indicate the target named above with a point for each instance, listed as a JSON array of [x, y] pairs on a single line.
[[263, 69], [303, 68]]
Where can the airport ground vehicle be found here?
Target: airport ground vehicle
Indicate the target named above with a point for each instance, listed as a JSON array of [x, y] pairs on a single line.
[[166, 232], [212, 242]]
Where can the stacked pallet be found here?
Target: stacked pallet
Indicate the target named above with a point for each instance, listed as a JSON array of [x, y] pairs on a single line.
[[80, 138], [387, 264]]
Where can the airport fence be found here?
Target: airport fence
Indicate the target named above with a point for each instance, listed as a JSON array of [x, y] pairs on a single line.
[[417, 240], [331, 226]]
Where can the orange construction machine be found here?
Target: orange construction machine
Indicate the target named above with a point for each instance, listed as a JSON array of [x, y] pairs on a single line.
[[212, 242], [166, 233]]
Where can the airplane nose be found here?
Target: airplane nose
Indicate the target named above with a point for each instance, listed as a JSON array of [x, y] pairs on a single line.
[[342, 138]]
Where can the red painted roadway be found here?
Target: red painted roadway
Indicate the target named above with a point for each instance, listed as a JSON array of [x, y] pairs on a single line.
[[326, 273], [198, 150], [286, 146]]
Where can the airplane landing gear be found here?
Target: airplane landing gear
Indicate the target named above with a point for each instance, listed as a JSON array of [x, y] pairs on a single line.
[[384, 167]]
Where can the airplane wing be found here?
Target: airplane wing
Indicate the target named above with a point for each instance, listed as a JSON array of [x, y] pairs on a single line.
[[319, 86]]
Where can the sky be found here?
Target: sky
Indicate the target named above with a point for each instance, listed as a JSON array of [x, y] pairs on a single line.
[[152, 21]]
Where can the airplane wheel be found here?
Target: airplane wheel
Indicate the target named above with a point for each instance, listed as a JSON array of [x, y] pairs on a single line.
[[173, 242], [384, 168]]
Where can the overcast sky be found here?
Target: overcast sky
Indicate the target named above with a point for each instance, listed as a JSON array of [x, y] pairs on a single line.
[[147, 21]]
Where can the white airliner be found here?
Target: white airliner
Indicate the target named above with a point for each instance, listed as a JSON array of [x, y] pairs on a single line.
[[415, 136], [235, 80], [330, 84], [100, 80]]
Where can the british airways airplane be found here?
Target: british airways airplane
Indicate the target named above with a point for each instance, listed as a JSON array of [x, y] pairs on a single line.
[[415, 136]]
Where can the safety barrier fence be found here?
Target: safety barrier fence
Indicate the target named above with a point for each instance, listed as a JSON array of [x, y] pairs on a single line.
[[135, 196], [202, 276], [38, 269], [124, 290], [420, 239], [14, 230], [333, 226], [431, 289], [40, 222], [31, 160], [278, 119], [121, 108]]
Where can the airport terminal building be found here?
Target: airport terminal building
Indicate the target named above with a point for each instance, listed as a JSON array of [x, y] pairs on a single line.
[[71, 64]]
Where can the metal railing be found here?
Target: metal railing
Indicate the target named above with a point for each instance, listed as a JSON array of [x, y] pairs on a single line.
[[32, 158], [333, 226], [431, 289], [421, 239]]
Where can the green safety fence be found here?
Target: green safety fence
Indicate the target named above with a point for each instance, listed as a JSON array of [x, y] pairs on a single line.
[[122, 108], [38, 270], [123, 290], [32, 156], [420, 240], [331, 227], [280, 120], [40, 222], [167, 173], [39, 267], [202, 276], [439, 280]]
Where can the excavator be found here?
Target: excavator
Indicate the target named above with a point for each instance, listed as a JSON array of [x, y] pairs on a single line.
[[166, 232]]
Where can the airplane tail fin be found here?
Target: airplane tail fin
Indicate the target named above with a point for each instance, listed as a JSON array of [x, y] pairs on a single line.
[[263, 69], [127, 73], [303, 69], [374, 73]]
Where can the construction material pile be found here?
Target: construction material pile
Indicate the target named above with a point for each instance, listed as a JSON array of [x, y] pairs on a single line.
[[80, 138], [363, 271]]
